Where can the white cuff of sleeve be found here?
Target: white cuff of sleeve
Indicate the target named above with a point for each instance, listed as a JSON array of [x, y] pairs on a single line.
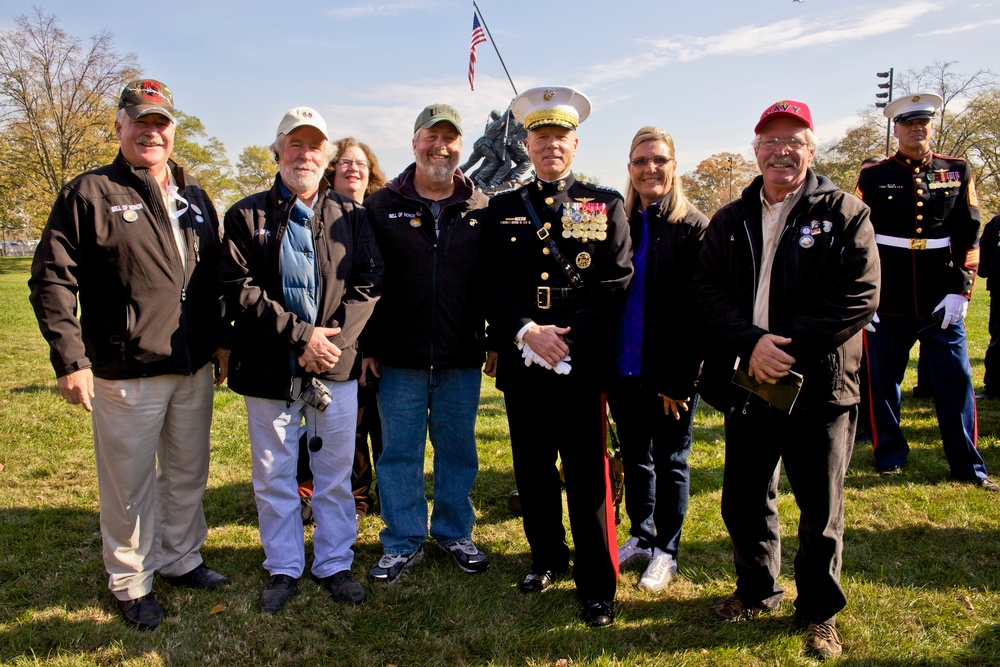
[[519, 337]]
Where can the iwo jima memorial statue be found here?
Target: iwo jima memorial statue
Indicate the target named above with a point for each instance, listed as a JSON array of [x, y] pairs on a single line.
[[502, 152]]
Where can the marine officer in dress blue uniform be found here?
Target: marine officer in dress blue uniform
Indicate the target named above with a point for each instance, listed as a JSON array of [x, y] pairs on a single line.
[[557, 263], [926, 217]]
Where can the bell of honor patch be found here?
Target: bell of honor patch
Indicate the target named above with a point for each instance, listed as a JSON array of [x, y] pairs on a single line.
[[130, 216], [806, 241]]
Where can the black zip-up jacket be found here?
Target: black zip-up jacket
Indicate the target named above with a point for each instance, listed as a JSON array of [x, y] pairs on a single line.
[[432, 313], [671, 356], [109, 239], [824, 289], [267, 335]]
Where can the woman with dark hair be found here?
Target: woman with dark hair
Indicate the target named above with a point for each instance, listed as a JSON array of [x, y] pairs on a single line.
[[652, 398], [354, 172]]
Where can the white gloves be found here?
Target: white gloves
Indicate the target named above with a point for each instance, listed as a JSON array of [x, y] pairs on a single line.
[[529, 356], [871, 325], [955, 307]]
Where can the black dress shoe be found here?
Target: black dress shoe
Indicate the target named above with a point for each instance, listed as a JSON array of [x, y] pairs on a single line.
[[536, 582], [144, 613], [277, 593], [598, 614], [200, 577]]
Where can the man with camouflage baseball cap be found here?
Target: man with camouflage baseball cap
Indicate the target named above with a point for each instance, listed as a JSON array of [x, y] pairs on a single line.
[[138, 240]]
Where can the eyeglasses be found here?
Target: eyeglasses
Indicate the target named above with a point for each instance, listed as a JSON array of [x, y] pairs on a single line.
[[347, 164], [772, 143], [658, 160]]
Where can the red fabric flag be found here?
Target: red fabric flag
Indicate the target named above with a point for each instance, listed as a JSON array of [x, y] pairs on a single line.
[[477, 38]]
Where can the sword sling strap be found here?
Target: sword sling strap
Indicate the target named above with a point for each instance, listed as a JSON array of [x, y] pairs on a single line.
[[575, 278]]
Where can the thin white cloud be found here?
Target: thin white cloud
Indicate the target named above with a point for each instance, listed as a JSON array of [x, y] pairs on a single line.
[[781, 36], [957, 29], [368, 10]]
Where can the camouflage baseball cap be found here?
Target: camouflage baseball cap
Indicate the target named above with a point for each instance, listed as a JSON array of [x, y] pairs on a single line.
[[143, 96]]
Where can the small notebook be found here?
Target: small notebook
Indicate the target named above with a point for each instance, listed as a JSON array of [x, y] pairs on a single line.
[[781, 395]]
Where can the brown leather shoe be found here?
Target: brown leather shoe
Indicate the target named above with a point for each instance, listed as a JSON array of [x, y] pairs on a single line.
[[824, 641], [733, 608]]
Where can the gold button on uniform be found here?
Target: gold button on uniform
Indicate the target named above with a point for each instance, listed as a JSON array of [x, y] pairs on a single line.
[[920, 217], [920, 203], [513, 238], [545, 275], [920, 192], [889, 197], [545, 251], [918, 180], [547, 225], [549, 201]]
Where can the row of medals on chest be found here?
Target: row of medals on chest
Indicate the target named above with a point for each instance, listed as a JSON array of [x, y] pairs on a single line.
[[585, 219]]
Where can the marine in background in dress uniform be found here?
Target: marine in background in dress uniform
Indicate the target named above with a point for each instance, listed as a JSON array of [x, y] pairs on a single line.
[[926, 217], [558, 260]]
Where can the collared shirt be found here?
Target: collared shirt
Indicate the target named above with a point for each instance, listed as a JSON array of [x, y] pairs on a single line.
[[772, 223], [176, 207]]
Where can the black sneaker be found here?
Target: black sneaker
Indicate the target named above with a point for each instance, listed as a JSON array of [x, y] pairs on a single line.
[[823, 641], [468, 557], [277, 593], [143, 613], [390, 566]]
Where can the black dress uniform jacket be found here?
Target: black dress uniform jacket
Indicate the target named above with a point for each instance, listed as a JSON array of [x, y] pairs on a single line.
[[519, 263], [932, 198]]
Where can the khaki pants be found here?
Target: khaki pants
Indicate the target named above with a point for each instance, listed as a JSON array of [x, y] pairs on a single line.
[[151, 443]]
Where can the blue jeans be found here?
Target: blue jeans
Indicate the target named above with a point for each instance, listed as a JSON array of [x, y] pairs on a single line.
[[655, 450], [950, 383], [411, 402]]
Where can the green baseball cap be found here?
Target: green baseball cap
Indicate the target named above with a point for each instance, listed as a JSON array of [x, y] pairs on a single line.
[[437, 113]]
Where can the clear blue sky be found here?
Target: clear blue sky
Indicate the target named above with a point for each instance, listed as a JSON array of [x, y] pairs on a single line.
[[703, 70]]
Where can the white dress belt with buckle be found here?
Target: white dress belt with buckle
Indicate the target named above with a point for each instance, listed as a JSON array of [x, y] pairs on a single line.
[[912, 244]]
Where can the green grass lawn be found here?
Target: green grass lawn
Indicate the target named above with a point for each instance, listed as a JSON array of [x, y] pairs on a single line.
[[921, 563]]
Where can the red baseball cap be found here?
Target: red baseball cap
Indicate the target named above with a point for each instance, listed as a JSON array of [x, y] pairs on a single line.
[[785, 109]]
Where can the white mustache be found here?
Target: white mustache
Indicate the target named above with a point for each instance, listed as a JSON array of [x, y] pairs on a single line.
[[780, 162], [150, 141]]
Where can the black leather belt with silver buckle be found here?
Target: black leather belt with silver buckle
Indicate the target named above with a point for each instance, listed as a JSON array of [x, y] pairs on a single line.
[[550, 297]]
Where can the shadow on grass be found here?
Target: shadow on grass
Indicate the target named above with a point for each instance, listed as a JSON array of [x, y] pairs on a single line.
[[37, 389], [53, 601], [12, 265]]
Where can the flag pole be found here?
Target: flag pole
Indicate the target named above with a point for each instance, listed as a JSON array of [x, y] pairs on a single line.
[[487, 29]]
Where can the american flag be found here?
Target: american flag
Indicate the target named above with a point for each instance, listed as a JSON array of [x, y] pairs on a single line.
[[477, 38]]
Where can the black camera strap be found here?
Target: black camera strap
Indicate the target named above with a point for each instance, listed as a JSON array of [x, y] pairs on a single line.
[[575, 278]]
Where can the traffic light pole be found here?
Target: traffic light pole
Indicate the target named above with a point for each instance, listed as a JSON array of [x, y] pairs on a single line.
[[887, 96]]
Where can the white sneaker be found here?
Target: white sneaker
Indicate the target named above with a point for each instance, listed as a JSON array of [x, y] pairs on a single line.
[[631, 550], [661, 570]]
